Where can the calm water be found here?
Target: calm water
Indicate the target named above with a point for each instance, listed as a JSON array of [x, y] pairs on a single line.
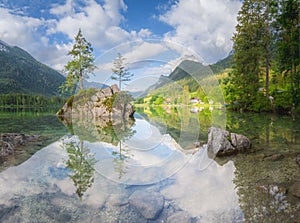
[[96, 171]]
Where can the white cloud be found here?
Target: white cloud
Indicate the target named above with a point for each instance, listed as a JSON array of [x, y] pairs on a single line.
[[23, 31], [200, 26], [65, 9], [145, 50], [205, 26], [99, 23], [16, 29]]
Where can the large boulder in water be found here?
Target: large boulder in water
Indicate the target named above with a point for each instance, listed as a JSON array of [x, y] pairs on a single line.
[[109, 102], [223, 143]]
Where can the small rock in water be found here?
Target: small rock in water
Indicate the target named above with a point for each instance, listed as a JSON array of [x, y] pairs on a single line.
[[9, 141], [298, 159], [180, 217], [295, 189], [148, 204], [118, 200], [274, 157]]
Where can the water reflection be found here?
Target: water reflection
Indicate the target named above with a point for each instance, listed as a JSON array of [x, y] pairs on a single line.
[[120, 159], [105, 161], [30, 123]]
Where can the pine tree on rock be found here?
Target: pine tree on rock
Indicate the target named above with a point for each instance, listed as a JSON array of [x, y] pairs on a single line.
[[81, 65], [120, 72]]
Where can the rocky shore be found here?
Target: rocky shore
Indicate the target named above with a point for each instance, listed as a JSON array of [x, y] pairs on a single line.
[[9, 142]]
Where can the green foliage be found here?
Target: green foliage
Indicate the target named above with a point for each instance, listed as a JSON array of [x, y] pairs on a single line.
[[83, 96], [267, 40], [283, 100], [153, 99], [139, 101], [120, 72], [223, 64], [70, 101], [261, 103], [117, 100], [81, 65], [159, 101]]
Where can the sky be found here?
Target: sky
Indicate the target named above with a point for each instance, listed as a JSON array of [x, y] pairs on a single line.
[[153, 35]]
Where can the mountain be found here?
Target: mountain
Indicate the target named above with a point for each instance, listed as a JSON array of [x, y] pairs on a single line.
[[223, 64], [191, 70], [91, 84], [21, 73]]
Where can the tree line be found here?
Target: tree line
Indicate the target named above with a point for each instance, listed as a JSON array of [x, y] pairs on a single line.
[[266, 70], [29, 101]]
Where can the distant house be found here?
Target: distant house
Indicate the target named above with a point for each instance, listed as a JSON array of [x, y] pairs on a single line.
[[195, 100], [168, 100], [194, 110]]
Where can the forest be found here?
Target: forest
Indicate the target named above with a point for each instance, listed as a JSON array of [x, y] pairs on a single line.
[[265, 75]]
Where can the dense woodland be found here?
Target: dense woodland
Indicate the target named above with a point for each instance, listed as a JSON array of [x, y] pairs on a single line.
[[30, 101], [266, 70]]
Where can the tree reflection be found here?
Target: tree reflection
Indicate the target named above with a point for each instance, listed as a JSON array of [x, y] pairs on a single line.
[[81, 162], [120, 158], [122, 132], [114, 131]]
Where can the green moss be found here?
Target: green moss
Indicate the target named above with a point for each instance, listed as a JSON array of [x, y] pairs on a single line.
[[70, 101], [60, 112]]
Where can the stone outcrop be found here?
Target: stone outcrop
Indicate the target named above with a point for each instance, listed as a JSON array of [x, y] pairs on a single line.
[[97, 103], [148, 204], [223, 143], [10, 141]]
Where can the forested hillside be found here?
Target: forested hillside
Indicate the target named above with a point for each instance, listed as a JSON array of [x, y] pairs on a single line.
[[21, 73]]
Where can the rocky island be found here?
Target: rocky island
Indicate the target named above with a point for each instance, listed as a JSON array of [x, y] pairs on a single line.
[[107, 103]]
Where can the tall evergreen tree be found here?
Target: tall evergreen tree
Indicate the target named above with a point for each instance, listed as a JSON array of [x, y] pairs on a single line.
[[247, 54], [288, 44], [81, 65], [252, 50]]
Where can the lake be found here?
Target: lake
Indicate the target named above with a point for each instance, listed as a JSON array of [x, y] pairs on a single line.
[[150, 169]]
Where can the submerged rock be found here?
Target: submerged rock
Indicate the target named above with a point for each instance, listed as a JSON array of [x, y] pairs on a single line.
[[298, 159], [295, 189], [180, 217], [10, 141], [148, 204], [223, 143], [273, 157]]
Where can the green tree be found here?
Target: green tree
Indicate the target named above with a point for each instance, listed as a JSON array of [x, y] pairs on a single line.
[[81, 65], [252, 51], [288, 44], [120, 72]]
